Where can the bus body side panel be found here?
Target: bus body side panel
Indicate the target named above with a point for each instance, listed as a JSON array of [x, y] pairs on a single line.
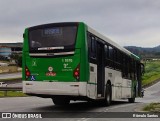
[[82, 43], [116, 81], [92, 82], [126, 88], [121, 88]]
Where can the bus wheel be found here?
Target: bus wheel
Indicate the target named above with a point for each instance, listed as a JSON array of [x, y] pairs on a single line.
[[60, 101], [108, 95], [132, 100]]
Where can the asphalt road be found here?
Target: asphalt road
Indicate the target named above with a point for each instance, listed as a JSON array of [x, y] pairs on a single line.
[[11, 75], [35, 104]]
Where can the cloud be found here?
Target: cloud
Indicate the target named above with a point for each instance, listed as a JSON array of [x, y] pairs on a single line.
[[126, 21]]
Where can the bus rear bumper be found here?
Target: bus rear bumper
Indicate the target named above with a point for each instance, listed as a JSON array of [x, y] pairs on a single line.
[[55, 88]]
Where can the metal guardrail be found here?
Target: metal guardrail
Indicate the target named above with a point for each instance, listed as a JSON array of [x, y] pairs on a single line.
[[10, 88], [5, 89]]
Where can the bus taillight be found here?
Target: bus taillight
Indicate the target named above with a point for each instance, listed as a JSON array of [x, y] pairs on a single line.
[[27, 72], [76, 72]]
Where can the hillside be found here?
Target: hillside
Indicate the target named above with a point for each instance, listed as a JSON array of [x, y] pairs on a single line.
[[145, 52]]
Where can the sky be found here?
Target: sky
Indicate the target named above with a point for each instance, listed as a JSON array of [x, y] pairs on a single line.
[[126, 22]]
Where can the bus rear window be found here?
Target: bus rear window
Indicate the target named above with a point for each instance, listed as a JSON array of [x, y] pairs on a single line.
[[52, 37]]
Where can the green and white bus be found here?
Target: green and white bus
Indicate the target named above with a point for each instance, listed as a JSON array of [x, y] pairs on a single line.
[[71, 61]]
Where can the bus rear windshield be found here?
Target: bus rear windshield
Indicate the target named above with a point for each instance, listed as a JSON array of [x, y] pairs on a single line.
[[52, 37]]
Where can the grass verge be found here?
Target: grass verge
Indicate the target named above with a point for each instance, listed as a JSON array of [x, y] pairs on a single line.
[[152, 72], [153, 107], [12, 94], [11, 79]]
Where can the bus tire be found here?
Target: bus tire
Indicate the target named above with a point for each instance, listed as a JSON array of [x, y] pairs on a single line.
[[108, 95], [60, 101], [132, 100]]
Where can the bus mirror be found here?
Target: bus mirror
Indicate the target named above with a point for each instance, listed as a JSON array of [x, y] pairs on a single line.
[[23, 36]]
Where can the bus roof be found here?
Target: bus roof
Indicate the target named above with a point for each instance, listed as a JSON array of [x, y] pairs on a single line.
[[95, 33], [112, 43]]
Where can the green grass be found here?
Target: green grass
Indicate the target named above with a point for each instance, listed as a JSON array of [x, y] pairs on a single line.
[[12, 94], [153, 107], [152, 72]]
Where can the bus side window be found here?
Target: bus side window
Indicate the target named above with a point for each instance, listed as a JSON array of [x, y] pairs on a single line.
[[110, 53], [119, 60], [93, 47], [106, 51], [125, 68], [89, 42], [106, 54], [111, 57]]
